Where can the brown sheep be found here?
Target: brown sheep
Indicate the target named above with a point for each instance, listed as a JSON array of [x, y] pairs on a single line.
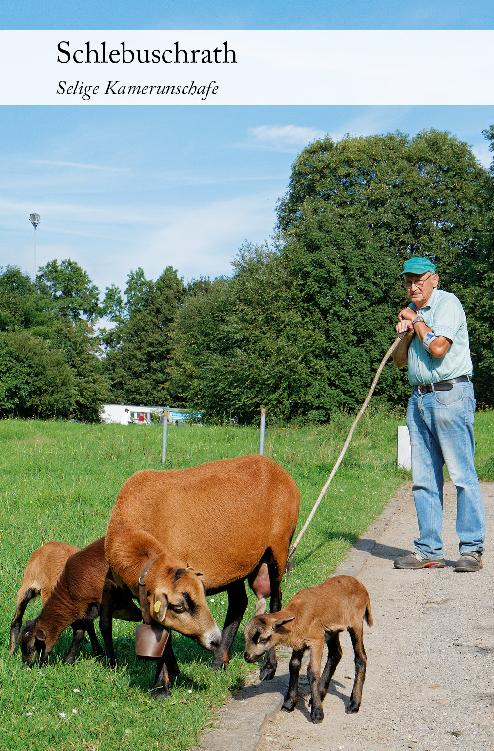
[[314, 616], [231, 520], [40, 577], [75, 601]]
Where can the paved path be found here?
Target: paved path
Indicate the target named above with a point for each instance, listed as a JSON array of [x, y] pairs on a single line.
[[430, 677]]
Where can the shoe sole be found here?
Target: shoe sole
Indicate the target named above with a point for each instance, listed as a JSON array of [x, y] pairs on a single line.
[[429, 564]]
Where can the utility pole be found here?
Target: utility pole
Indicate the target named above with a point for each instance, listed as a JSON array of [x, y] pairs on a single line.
[[35, 220]]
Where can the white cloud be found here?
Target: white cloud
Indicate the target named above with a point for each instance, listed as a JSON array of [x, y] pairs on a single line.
[[202, 241], [282, 137], [79, 165]]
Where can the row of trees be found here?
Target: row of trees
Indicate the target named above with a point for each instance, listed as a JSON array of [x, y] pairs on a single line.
[[300, 326]]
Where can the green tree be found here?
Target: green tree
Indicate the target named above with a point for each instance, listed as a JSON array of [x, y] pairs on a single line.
[[60, 321], [35, 380], [70, 288], [138, 350]]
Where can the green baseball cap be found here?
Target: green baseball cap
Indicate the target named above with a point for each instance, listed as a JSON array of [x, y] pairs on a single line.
[[418, 265]]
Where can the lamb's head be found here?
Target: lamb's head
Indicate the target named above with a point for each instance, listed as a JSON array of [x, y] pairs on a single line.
[[177, 600], [264, 632], [34, 643]]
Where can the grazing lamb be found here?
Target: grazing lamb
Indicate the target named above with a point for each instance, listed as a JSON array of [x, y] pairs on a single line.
[[75, 601], [231, 520], [40, 576], [314, 616]]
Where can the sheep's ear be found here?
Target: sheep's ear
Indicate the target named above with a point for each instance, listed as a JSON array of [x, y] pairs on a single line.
[[197, 573], [160, 606], [278, 624], [40, 634]]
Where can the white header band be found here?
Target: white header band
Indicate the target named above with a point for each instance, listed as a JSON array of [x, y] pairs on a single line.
[[247, 67]]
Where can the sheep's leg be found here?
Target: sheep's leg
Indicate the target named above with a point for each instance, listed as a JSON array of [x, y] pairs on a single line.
[[237, 604], [334, 656], [95, 645], [314, 675], [167, 671], [292, 693], [78, 628], [270, 663], [15, 626], [357, 637], [105, 619]]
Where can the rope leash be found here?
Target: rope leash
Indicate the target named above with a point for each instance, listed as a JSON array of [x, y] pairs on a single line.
[[364, 406]]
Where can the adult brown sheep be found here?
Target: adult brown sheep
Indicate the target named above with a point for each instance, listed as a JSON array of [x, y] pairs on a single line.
[[228, 521]]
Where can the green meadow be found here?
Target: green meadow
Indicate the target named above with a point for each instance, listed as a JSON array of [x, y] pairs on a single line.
[[59, 481]]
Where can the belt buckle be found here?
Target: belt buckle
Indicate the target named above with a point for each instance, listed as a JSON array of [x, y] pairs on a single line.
[[425, 388]]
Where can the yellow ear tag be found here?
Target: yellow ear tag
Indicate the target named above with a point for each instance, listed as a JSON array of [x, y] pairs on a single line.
[[157, 606]]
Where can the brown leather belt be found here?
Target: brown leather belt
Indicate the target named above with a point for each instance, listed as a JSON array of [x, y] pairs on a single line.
[[426, 388]]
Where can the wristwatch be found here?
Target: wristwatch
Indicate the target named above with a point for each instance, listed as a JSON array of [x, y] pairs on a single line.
[[418, 317]]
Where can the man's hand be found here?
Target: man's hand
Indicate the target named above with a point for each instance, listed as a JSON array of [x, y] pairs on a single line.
[[407, 314], [404, 327]]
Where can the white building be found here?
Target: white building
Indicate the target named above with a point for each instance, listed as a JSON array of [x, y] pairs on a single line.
[[141, 415]]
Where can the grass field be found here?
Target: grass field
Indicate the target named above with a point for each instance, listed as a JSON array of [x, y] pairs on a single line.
[[59, 481]]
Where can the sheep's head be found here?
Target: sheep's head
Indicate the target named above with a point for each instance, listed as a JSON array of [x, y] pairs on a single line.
[[33, 642], [177, 600], [264, 632]]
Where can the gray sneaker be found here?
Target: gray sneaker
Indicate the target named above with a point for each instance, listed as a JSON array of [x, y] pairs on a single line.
[[467, 562], [414, 561]]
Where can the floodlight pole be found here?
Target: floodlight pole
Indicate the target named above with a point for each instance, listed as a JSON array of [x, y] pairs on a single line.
[[35, 220]]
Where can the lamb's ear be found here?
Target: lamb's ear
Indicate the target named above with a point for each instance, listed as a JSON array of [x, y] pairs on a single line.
[[40, 634], [278, 624], [14, 637]]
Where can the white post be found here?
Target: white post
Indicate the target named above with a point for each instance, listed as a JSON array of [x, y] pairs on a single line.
[[404, 451], [263, 430], [166, 416]]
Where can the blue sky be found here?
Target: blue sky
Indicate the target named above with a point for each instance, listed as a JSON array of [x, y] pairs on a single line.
[[121, 187]]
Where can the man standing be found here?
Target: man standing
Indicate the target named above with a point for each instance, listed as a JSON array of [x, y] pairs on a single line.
[[439, 417]]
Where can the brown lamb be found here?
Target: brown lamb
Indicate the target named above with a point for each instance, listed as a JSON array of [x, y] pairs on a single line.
[[312, 617], [230, 520], [75, 600]]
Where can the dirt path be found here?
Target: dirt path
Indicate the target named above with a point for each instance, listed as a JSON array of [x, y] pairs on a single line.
[[430, 679]]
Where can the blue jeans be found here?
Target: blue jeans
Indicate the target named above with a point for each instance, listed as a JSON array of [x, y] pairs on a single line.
[[441, 432]]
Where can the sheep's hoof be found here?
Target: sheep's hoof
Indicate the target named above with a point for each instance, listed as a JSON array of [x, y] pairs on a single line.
[[160, 692], [352, 707], [316, 715], [289, 705]]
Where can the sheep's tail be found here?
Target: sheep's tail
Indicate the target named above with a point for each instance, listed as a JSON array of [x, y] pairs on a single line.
[[368, 614]]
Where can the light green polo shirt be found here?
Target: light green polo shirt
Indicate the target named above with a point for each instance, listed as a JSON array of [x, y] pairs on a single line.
[[443, 314]]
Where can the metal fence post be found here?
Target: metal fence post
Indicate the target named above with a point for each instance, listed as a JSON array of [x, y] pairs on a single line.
[[166, 416], [263, 429]]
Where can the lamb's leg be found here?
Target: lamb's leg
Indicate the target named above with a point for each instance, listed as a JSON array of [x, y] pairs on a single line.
[[292, 694], [237, 604], [78, 628], [15, 626], [334, 656], [270, 663], [167, 671], [95, 645], [357, 637], [314, 674], [105, 619]]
